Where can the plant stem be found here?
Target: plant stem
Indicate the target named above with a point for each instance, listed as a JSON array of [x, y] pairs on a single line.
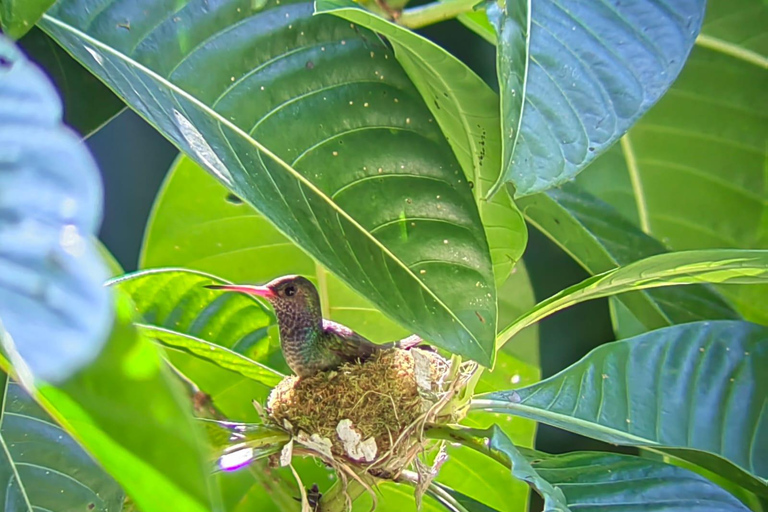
[[335, 500], [435, 12]]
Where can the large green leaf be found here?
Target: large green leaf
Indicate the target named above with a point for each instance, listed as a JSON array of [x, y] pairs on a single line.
[[42, 467], [467, 111], [354, 172], [594, 69], [595, 481], [521, 469], [599, 239], [176, 299], [692, 171], [478, 22], [678, 268], [88, 103], [17, 17], [697, 391], [395, 498]]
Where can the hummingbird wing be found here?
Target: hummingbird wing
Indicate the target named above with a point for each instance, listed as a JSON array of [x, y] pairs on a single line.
[[348, 344]]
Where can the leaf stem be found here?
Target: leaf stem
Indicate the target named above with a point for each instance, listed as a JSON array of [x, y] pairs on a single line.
[[335, 500], [429, 14]]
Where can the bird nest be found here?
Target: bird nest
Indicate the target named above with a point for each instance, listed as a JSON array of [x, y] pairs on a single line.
[[369, 413]]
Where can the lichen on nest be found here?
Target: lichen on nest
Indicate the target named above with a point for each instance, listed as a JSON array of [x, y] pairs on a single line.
[[380, 398]]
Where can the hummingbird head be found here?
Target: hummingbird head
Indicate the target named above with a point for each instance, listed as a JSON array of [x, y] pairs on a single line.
[[294, 298]]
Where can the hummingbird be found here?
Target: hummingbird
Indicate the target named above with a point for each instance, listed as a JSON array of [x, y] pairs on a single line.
[[311, 343]]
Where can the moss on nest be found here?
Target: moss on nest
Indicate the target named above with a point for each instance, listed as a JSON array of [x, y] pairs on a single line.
[[381, 397]]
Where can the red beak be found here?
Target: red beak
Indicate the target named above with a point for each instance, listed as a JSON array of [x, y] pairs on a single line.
[[261, 291]]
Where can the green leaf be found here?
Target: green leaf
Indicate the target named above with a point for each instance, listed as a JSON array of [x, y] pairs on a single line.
[[199, 326], [515, 298], [512, 22], [177, 300], [692, 171], [467, 111], [395, 498], [594, 69], [595, 481], [494, 442], [88, 103], [466, 471], [128, 412], [17, 17], [42, 467], [596, 236], [696, 391], [677, 268], [701, 156], [110, 392], [390, 245], [695, 136], [554, 500], [214, 353], [454, 501], [232, 381]]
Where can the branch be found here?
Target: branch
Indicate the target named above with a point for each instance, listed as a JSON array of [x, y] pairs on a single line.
[[435, 12]]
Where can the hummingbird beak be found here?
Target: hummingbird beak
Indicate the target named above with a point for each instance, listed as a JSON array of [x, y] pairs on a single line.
[[261, 291]]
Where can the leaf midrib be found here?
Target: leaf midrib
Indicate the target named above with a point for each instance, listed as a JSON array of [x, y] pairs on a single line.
[[536, 412], [214, 347], [304, 181], [732, 50]]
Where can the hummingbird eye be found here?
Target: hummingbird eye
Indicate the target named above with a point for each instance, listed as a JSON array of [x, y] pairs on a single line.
[[290, 291]]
